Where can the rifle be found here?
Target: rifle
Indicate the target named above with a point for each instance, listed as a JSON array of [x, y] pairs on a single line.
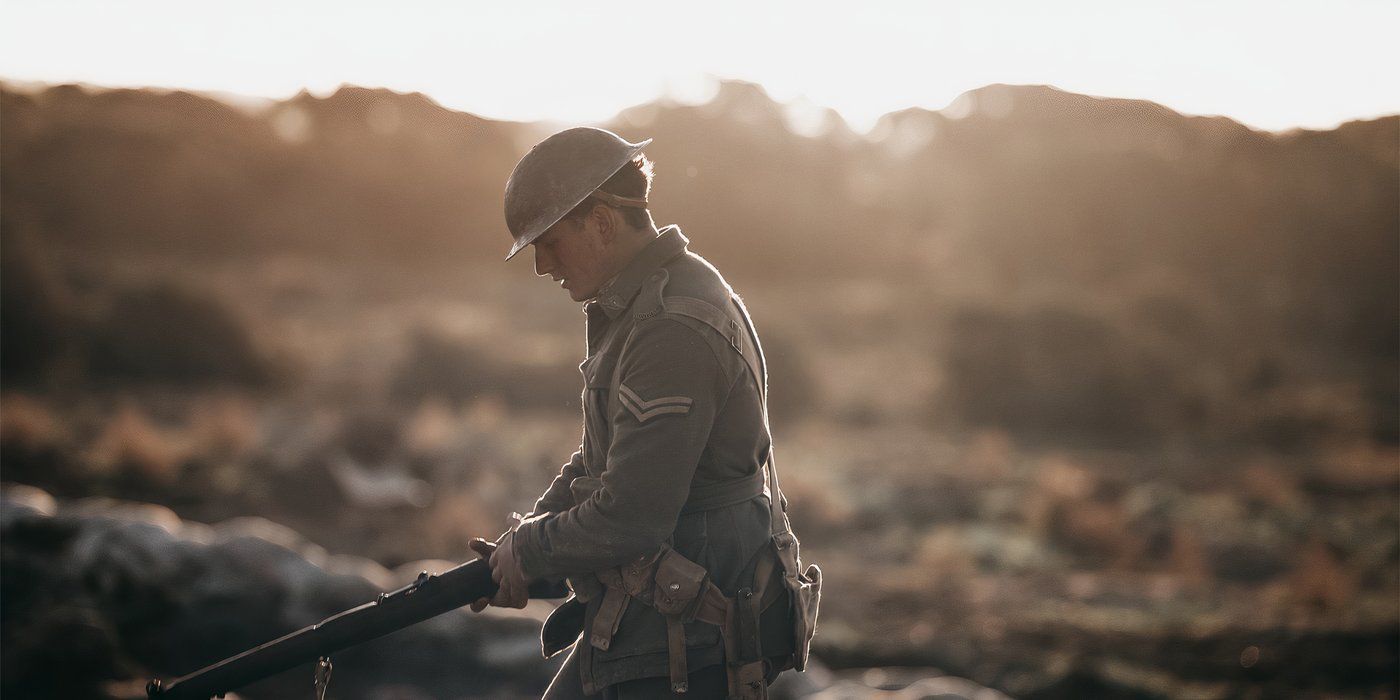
[[428, 596]]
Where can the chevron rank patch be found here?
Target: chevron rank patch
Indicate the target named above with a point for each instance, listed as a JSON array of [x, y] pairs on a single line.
[[645, 410]]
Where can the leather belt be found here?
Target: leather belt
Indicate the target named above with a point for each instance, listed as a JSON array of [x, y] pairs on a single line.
[[724, 493]]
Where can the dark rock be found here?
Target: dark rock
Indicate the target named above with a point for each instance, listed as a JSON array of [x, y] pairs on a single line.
[[99, 591]]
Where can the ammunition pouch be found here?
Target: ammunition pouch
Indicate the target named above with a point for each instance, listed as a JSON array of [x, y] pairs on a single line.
[[681, 591], [679, 582], [804, 590]]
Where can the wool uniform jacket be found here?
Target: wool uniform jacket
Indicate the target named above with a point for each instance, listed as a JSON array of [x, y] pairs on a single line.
[[674, 455]]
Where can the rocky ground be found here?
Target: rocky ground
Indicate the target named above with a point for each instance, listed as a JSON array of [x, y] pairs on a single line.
[[101, 595], [1041, 573]]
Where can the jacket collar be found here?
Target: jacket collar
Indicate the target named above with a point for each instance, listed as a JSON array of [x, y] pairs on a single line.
[[618, 293]]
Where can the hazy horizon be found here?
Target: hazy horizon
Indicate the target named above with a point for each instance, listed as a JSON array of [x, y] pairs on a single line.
[[800, 115], [1274, 66]]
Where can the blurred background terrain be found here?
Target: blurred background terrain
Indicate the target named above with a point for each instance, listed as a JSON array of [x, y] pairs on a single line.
[[1074, 396]]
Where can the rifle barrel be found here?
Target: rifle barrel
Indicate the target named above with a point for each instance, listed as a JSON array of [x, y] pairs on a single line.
[[428, 596]]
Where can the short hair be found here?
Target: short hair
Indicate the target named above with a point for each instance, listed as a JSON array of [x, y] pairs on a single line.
[[633, 180]]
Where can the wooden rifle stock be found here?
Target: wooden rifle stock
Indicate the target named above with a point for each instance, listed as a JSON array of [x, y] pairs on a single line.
[[429, 596]]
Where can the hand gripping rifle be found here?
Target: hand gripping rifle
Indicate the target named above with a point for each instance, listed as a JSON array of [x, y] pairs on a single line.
[[428, 596]]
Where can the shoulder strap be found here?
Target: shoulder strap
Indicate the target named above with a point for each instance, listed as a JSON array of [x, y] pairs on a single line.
[[777, 502], [745, 342]]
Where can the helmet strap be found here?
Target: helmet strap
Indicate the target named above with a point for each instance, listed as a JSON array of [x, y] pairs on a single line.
[[620, 201]]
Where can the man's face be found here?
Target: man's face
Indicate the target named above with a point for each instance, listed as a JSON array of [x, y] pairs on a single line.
[[573, 253]]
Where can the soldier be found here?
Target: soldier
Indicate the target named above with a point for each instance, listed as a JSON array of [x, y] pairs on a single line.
[[667, 524]]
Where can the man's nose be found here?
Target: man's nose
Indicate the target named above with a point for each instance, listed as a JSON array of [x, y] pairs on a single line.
[[543, 264]]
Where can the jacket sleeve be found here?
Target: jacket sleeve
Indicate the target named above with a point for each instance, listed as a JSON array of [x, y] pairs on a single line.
[[558, 497], [672, 384]]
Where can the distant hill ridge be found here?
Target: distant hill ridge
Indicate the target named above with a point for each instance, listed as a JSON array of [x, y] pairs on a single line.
[[1028, 185], [1015, 210]]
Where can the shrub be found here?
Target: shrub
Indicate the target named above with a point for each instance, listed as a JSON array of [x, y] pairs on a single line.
[[170, 335], [457, 371], [1052, 372], [37, 317]]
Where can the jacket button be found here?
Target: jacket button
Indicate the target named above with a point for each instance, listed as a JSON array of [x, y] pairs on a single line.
[[675, 586]]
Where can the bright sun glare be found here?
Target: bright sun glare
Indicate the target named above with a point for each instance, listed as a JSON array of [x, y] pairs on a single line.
[[1273, 65]]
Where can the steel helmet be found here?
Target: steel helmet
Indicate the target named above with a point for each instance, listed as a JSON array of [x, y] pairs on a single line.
[[559, 173]]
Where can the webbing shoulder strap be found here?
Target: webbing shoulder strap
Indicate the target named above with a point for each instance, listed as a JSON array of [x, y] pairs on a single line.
[[777, 502], [745, 342]]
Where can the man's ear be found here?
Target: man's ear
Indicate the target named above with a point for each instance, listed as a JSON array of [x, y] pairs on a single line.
[[605, 219]]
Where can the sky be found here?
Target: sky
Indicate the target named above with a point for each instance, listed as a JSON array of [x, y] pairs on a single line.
[[1272, 65]]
